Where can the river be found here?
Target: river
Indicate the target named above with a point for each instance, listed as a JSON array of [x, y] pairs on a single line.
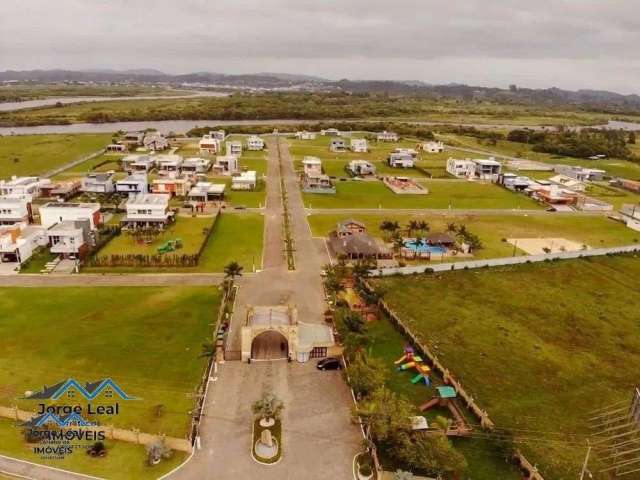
[[50, 101], [181, 126]]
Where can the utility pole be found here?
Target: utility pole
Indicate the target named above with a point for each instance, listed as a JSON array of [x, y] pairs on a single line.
[[586, 463]]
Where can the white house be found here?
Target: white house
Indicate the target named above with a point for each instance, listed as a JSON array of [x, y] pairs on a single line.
[[312, 166], [98, 182], [487, 169], [14, 210], [117, 148], [568, 182], [168, 164], [233, 148], [155, 141], [401, 160], [255, 143], [69, 238], [244, 181], [331, 132], [514, 182], [52, 213], [387, 136], [338, 145], [304, 135], [134, 137], [147, 210], [196, 165], [18, 242], [133, 184], [218, 135], [580, 173], [209, 145], [361, 167], [462, 168], [359, 145], [138, 163], [433, 147], [206, 191], [29, 186], [226, 165]]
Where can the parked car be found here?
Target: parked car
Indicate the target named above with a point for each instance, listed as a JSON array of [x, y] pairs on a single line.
[[329, 363]]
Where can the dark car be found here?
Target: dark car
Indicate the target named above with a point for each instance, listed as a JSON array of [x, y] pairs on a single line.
[[329, 363]]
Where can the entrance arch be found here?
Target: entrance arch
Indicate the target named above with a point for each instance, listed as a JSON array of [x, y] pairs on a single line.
[[270, 345]]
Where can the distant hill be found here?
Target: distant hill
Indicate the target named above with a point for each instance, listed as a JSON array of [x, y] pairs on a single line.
[[600, 100]]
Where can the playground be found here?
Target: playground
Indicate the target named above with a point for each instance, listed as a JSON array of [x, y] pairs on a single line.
[[538, 346], [185, 236]]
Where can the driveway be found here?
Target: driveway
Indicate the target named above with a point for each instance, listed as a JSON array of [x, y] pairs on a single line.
[[319, 438]]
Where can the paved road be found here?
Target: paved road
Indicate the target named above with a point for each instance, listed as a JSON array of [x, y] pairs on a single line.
[[22, 469], [446, 212], [110, 279], [319, 439]]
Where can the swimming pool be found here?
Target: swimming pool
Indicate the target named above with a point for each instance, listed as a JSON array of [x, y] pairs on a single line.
[[424, 247]]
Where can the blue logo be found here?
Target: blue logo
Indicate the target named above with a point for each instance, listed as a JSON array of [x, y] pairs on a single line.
[[90, 391]]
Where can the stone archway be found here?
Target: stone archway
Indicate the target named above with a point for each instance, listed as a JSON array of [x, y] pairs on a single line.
[[269, 345]]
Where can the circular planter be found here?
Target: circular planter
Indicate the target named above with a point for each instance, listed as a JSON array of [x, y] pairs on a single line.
[[267, 453], [267, 422]]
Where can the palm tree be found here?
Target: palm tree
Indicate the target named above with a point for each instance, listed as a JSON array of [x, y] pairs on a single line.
[[451, 227], [418, 242], [361, 269], [412, 225], [462, 231], [233, 270], [398, 243], [423, 226]]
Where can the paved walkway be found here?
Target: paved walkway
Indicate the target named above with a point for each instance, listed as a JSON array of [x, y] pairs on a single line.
[[319, 438], [111, 279], [23, 469]]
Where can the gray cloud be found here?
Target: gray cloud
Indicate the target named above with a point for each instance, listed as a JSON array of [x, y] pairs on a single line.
[[568, 43]]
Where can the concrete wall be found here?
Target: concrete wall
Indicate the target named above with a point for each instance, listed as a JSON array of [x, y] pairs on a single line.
[[498, 262], [131, 436]]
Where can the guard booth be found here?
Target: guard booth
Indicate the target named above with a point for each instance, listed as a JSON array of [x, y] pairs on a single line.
[[274, 333]]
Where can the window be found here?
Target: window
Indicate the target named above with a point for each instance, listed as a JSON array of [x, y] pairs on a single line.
[[71, 393], [108, 393]]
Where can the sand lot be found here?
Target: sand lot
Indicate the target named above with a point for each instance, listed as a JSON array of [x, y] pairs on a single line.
[[537, 246]]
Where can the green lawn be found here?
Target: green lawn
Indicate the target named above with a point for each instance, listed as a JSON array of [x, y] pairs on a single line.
[[334, 164], [387, 344], [613, 166], [190, 230], [443, 194], [36, 263], [236, 237], [123, 460], [37, 154], [539, 346], [593, 231], [147, 339]]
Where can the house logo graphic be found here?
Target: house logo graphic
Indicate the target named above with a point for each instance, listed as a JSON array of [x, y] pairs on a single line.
[[70, 420], [71, 388]]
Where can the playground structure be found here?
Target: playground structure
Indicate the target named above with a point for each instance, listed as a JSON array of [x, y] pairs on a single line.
[[411, 360], [445, 394], [170, 246]]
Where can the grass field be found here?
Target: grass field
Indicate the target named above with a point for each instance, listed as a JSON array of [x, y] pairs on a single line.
[[146, 339], [236, 237], [539, 346], [123, 461], [37, 154], [443, 194], [492, 229], [387, 344], [613, 166], [190, 230]]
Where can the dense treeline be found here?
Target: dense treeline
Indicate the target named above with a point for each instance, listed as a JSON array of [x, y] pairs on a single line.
[[298, 105], [584, 143]]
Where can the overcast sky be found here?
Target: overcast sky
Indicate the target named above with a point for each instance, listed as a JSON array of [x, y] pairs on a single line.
[[538, 43]]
